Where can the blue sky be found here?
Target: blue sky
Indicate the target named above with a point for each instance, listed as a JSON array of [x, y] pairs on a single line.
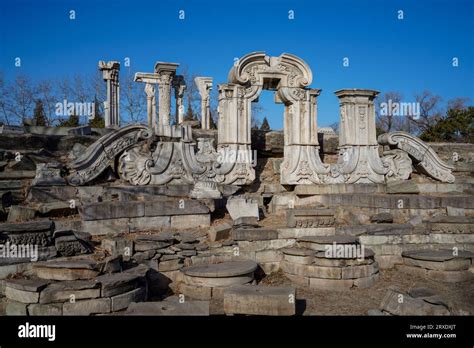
[[385, 53]]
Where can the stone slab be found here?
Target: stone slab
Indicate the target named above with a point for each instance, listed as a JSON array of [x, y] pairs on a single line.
[[223, 269], [260, 300], [437, 255], [252, 234], [87, 307], [53, 309], [169, 308], [34, 285], [118, 283], [122, 301], [67, 290]]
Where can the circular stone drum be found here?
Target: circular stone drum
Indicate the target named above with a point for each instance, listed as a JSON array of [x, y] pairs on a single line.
[[205, 280]]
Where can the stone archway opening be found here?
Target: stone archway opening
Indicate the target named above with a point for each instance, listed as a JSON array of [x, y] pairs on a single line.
[[289, 76]]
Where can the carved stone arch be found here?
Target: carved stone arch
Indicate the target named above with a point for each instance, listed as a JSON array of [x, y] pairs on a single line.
[[290, 77]]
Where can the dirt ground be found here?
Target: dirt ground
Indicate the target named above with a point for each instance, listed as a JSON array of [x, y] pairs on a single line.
[[459, 296]]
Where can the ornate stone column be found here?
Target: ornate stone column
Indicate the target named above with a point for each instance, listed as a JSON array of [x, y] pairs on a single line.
[[359, 160], [179, 86], [150, 80], [301, 163], [110, 73], [166, 72], [204, 85]]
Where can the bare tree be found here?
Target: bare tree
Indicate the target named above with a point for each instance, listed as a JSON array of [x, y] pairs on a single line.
[[133, 100], [22, 98], [191, 94], [49, 98], [385, 120], [429, 110], [4, 100]]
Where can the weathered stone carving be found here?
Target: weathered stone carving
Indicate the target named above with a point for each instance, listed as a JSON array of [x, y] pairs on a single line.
[[359, 161], [400, 165], [110, 73], [167, 154], [102, 153], [423, 156], [289, 76]]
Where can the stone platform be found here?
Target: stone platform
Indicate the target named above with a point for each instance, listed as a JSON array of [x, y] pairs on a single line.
[[450, 266], [209, 280], [330, 263]]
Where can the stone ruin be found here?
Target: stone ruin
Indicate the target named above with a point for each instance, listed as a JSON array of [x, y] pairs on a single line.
[[167, 219]]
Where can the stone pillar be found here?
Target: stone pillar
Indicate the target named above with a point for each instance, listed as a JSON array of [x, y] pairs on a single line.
[[150, 80], [301, 163], [110, 73], [204, 85], [166, 72], [179, 88], [359, 160]]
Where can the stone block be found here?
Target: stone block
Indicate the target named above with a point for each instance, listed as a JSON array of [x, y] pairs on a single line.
[[122, 301], [260, 300], [87, 307], [382, 218], [362, 271], [111, 210], [16, 308], [366, 282], [310, 218], [118, 246], [118, 283], [102, 227], [239, 206], [298, 280], [20, 213], [388, 261], [268, 256], [191, 221], [219, 232], [286, 233], [68, 290], [331, 284], [392, 304], [175, 206], [265, 244], [147, 223], [254, 234], [408, 186], [196, 292], [169, 308], [52, 309], [311, 271]]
